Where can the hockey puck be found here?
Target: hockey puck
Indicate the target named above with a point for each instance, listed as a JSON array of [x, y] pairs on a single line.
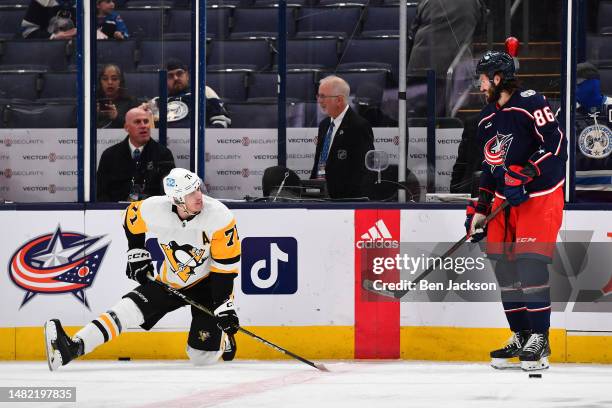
[[128, 359], [535, 375]]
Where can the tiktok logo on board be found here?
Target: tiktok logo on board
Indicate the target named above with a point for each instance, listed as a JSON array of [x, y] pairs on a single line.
[[269, 266]]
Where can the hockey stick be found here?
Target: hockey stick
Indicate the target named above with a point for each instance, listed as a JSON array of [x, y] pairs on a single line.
[[398, 294], [195, 304]]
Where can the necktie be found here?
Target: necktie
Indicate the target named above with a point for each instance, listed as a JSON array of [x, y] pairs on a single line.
[[326, 144], [136, 155]]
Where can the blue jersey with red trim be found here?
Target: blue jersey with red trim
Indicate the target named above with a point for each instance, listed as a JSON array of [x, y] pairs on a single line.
[[523, 130]]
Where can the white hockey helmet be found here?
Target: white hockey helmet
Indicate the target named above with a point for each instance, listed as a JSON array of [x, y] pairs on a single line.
[[180, 182]]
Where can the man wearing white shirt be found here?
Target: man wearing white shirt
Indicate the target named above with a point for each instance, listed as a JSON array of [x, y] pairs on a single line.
[[343, 140]]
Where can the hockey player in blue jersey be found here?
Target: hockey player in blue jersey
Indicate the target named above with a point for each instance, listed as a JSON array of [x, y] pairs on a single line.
[[524, 164]]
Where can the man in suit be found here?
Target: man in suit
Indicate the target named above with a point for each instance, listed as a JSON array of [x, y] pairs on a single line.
[[344, 138], [133, 169]]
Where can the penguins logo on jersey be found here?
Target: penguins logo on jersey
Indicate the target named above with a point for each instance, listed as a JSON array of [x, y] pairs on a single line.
[[183, 259], [496, 149], [595, 141]]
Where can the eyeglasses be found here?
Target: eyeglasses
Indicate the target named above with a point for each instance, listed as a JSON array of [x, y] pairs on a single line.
[[319, 96]]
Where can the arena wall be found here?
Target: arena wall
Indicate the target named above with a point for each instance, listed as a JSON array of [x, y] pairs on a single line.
[[323, 314]]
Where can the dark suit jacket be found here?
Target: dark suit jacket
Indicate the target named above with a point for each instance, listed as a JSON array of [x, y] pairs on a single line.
[[345, 171], [116, 170]]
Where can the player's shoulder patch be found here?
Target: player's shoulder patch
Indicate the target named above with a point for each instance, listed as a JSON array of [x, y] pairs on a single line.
[[528, 93]]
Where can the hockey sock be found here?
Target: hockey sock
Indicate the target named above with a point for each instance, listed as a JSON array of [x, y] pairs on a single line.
[[512, 295], [536, 293], [110, 324]]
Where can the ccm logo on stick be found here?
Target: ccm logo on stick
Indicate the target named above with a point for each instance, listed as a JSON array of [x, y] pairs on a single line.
[[269, 265]]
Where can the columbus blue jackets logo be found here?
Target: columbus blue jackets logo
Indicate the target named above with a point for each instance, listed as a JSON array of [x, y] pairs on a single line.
[[57, 263], [496, 149], [595, 141]]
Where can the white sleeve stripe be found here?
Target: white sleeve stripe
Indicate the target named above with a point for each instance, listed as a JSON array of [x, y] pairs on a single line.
[[541, 159], [538, 133], [519, 110], [486, 118], [561, 136]]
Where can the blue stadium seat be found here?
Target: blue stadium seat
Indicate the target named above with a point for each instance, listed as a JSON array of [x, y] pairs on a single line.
[[261, 22], [10, 22], [265, 3], [334, 21], [605, 75], [14, 4], [121, 53], [35, 54], [228, 3], [144, 23], [334, 3], [218, 21], [313, 53], [59, 86], [599, 50], [17, 85], [264, 115], [604, 18], [384, 21], [158, 52], [371, 53], [30, 116], [356, 80], [300, 85], [247, 54], [179, 21], [142, 85], [230, 86]]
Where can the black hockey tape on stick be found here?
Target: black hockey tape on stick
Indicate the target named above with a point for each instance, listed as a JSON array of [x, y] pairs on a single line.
[[398, 294], [195, 304]]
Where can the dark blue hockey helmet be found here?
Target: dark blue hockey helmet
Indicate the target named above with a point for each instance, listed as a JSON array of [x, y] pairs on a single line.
[[493, 62]]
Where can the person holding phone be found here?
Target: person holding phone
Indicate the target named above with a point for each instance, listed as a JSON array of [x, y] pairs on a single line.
[[112, 99]]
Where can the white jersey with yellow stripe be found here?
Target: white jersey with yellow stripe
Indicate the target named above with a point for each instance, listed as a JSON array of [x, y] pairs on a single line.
[[192, 248]]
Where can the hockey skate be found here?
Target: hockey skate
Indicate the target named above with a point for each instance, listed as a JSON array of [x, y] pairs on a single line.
[[534, 355], [229, 350], [60, 348], [500, 357]]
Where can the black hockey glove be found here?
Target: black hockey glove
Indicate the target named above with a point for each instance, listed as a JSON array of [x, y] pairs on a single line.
[[139, 265], [227, 319]]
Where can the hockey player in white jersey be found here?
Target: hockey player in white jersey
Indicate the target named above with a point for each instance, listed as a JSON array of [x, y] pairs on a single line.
[[199, 239]]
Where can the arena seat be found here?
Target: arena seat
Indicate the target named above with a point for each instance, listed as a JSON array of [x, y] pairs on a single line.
[[300, 85], [21, 115], [246, 54], [230, 86], [20, 85], [261, 22]]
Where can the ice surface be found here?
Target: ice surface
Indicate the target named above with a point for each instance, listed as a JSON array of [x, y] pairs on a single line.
[[176, 384]]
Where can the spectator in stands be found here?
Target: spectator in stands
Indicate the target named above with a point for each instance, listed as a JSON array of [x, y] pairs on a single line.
[[438, 31], [110, 23], [179, 99], [344, 138], [52, 19], [112, 101], [133, 169], [593, 137]]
